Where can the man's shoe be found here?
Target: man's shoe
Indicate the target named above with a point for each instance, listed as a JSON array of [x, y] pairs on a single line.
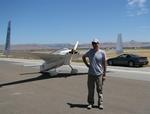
[[101, 107], [89, 106]]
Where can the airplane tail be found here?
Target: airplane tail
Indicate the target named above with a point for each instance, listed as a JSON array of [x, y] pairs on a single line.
[[7, 45]]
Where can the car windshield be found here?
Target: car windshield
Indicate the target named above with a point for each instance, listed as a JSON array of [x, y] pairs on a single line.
[[124, 55]]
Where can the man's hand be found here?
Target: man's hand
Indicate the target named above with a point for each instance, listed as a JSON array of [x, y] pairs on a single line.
[[103, 78]]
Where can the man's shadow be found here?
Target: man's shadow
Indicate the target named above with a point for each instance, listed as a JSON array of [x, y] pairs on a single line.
[[80, 105], [44, 76]]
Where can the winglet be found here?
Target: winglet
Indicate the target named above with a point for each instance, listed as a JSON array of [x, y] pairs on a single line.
[[7, 45]]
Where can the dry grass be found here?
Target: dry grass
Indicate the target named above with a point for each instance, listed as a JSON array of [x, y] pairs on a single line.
[[112, 53], [141, 52]]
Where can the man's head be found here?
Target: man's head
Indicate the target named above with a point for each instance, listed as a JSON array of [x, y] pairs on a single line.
[[95, 44]]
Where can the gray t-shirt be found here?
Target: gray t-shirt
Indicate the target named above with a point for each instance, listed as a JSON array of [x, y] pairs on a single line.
[[96, 59]]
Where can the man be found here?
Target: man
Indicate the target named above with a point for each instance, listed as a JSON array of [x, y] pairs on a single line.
[[96, 72]]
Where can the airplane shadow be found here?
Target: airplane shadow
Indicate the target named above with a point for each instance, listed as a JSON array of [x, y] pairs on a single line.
[[41, 77], [80, 105]]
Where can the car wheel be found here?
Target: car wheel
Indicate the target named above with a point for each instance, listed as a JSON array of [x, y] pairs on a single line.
[[140, 65], [110, 63], [130, 63]]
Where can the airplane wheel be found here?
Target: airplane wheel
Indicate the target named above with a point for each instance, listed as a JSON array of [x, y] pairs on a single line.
[[53, 73]]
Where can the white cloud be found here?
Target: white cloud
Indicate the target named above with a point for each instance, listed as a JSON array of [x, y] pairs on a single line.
[[139, 3], [137, 7]]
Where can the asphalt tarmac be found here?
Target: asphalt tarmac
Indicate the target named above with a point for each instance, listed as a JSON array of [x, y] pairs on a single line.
[[23, 91]]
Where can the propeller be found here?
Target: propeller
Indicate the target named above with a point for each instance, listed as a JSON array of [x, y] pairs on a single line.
[[76, 45], [74, 50]]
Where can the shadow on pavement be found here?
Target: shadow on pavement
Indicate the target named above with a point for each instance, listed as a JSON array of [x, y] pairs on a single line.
[[80, 105], [41, 77]]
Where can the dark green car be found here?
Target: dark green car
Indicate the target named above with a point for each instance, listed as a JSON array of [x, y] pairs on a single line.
[[128, 60]]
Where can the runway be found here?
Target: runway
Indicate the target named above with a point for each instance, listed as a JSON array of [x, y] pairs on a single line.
[[141, 73], [126, 90]]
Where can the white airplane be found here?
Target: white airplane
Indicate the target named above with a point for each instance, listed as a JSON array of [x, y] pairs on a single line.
[[57, 59], [51, 60]]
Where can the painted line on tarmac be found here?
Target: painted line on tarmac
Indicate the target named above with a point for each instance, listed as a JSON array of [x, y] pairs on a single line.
[[24, 62], [129, 71], [137, 71]]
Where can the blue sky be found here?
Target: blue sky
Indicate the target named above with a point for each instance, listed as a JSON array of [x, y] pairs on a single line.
[[66, 21]]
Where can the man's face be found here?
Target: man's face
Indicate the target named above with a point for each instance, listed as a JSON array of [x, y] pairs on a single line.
[[95, 45]]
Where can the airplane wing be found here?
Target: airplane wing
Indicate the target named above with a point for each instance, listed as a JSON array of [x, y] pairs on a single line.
[[42, 61], [49, 57]]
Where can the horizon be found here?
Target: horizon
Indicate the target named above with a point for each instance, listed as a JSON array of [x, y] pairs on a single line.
[[68, 21], [61, 43]]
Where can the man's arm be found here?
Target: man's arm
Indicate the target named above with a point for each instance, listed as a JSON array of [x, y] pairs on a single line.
[[104, 66], [85, 61]]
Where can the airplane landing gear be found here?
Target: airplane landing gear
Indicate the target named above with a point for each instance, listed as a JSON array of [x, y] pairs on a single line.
[[74, 71]]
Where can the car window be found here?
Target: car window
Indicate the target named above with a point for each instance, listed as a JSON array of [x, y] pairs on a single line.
[[123, 56], [128, 56]]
